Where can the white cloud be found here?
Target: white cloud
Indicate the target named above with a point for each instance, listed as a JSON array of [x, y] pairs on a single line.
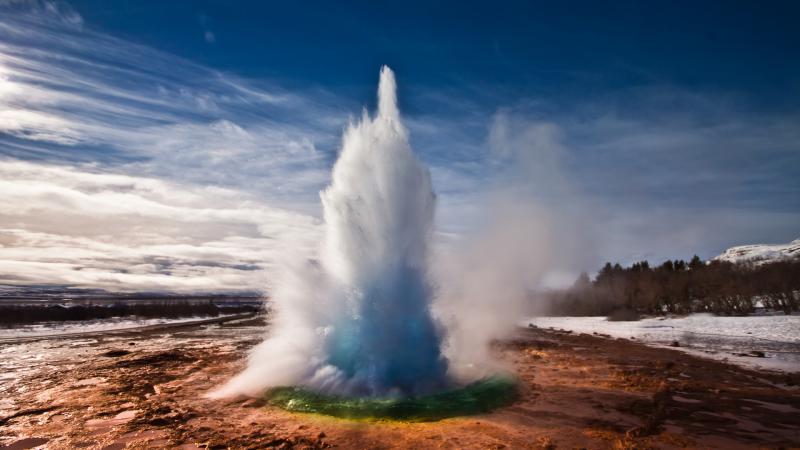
[[38, 126], [77, 226]]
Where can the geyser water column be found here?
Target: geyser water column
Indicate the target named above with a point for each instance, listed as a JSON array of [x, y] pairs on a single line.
[[379, 213], [352, 333]]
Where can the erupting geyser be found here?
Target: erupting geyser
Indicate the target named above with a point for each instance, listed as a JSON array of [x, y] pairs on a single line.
[[358, 321], [379, 218], [353, 335]]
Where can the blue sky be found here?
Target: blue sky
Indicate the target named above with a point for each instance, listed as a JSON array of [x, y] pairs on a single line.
[[518, 48], [182, 145]]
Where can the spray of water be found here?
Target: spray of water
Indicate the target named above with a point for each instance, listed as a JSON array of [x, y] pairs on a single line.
[[358, 320]]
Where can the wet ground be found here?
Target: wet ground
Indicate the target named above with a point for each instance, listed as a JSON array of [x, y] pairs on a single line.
[[146, 390]]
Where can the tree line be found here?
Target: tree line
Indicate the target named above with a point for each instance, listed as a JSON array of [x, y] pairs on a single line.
[[680, 287]]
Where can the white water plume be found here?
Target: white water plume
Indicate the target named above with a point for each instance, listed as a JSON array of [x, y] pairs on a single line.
[[358, 321]]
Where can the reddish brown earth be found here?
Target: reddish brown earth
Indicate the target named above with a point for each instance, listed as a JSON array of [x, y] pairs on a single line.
[[146, 390]]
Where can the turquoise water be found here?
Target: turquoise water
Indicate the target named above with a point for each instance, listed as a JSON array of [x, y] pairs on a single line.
[[479, 397]]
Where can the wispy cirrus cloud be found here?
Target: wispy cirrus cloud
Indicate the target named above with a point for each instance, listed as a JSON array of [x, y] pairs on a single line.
[[54, 10], [72, 95]]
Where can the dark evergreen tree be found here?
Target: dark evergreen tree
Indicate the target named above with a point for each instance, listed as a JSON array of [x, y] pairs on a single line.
[[679, 288]]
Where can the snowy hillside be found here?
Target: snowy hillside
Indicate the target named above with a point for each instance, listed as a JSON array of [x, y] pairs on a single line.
[[761, 253]]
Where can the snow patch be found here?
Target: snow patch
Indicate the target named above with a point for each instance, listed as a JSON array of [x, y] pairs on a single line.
[[733, 339], [761, 253]]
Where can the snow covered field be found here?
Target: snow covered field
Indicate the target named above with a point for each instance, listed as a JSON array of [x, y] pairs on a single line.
[[724, 338], [87, 326]]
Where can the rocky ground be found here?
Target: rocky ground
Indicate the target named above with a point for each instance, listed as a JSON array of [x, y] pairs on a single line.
[[146, 390]]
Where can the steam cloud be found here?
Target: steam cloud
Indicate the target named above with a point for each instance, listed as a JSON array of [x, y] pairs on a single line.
[[371, 317]]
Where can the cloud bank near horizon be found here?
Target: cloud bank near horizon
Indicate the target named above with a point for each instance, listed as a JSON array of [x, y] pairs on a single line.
[[130, 233]]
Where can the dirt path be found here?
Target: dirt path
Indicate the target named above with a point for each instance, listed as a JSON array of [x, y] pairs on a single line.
[[577, 392]]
